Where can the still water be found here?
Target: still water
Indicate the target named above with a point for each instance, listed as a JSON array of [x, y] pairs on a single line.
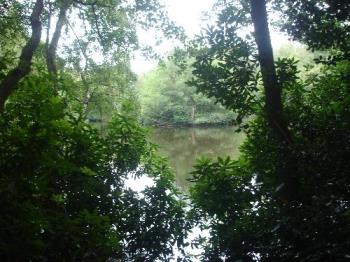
[[182, 146]]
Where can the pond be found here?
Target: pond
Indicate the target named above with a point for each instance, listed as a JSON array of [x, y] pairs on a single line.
[[182, 146]]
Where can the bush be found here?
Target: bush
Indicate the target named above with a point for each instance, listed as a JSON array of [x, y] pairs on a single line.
[[238, 200], [62, 186]]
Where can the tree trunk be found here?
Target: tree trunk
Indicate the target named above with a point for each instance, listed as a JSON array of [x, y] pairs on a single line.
[[274, 108], [286, 169], [23, 68], [193, 113], [52, 48]]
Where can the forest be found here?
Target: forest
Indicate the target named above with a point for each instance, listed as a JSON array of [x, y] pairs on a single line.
[[75, 130]]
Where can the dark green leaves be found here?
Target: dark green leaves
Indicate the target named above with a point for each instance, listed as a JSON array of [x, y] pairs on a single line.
[[319, 24], [62, 186], [226, 67]]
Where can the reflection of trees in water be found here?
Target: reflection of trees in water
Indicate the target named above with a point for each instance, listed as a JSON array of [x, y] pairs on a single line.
[[184, 145]]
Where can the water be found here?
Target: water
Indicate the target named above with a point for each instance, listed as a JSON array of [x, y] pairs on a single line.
[[182, 146]]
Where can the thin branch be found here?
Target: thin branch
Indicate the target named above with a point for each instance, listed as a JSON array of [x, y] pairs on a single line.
[[81, 47], [85, 3], [87, 97], [91, 3], [96, 23]]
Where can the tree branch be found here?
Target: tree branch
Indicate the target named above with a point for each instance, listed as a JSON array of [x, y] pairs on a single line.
[[96, 24], [91, 3], [81, 47], [87, 97], [85, 3]]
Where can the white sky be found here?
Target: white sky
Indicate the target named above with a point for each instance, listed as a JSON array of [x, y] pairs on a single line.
[[186, 13]]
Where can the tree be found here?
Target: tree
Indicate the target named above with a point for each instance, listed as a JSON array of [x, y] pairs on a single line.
[[255, 221], [110, 28], [273, 98], [229, 71], [62, 183], [101, 91], [63, 190], [236, 200], [166, 99], [15, 75]]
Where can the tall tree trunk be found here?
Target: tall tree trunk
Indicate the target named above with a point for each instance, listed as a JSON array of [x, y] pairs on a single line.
[[52, 48], [23, 68], [193, 113], [286, 168], [274, 108]]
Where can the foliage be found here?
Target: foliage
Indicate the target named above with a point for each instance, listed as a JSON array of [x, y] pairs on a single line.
[[11, 35], [319, 24], [63, 192], [239, 201], [96, 93], [226, 67], [91, 37], [108, 26], [166, 99], [63, 185], [249, 222]]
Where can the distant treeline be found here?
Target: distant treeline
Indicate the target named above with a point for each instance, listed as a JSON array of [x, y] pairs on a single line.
[[167, 99]]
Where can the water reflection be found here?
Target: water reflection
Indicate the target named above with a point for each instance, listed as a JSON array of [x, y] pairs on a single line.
[[184, 145]]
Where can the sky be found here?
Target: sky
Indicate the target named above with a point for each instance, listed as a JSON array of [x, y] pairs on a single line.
[[188, 14]]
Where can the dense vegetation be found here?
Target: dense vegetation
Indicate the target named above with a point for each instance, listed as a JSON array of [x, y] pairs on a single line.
[[63, 187], [287, 197], [241, 198], [63, 183], [167, 99]]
